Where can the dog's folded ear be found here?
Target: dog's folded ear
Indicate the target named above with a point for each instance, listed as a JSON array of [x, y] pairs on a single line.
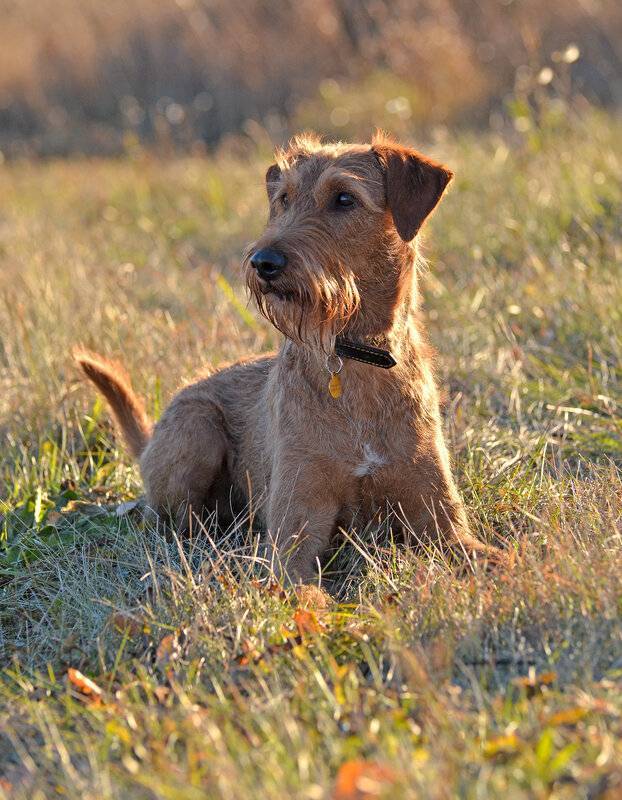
[[414, 185], [273, 176]]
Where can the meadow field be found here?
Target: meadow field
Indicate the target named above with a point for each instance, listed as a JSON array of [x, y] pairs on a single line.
[[135, 666]]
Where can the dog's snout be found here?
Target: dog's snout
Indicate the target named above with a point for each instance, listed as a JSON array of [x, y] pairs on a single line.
[[269, 263]]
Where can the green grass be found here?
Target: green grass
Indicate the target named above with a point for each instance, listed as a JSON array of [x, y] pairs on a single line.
[[214, 684]]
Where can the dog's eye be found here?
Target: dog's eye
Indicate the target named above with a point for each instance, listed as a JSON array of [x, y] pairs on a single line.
[[344, 200]]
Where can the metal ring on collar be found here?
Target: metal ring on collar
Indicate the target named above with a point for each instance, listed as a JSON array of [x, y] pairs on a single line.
[[339, 364]]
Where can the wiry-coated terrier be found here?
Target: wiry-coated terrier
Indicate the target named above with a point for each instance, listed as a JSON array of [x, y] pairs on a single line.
[[345, 418]]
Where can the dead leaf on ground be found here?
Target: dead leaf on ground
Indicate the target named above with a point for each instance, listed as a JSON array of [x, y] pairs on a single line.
[[359, 780], [569, 716], [84, 685], [509, 743], [250, 654], [161, 693], [126, 623], [533, 683], [85, 508], [170, 648], [166, 647], [306, 622]]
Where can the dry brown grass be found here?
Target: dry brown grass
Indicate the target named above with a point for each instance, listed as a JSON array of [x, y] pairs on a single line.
[[78, 75]]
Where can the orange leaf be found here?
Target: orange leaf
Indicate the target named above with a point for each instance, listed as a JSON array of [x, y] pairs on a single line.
[[306, 621], [358, 780], [6, 786], [167, 649], [249, 654], [569, 716], [533, 683], [83, 684]]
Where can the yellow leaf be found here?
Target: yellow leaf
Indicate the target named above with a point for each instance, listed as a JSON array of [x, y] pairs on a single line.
[[340, 695], [501, 744], [115, 729]]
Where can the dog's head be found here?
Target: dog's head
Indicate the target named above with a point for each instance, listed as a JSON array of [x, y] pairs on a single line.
[[339, 239]]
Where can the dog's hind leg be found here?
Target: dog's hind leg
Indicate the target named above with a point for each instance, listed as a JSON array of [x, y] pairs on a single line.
[[184, 459]]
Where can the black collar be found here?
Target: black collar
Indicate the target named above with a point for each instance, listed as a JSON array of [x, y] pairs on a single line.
[[346, 348]]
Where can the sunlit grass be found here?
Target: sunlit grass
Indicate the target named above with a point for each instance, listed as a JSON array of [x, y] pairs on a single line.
[[410, 680]]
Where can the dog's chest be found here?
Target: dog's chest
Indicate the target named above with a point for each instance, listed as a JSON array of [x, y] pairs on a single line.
[[372, 459], [364, 453]]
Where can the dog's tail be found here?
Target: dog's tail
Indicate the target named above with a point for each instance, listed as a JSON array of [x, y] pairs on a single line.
[[113, 382]]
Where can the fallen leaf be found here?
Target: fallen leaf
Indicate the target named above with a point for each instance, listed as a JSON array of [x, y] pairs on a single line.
[[533, 683], [275, 589], [166, 647], [6, 786], [501, 744], [161, 692], [170, 648], [85, 508], [569, 716], [84, 685], [249, 655], [306, 621], [125, 623], [358, 780]]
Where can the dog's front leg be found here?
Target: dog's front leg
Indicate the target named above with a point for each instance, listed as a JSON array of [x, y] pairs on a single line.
[[433, 509], [300, 526]]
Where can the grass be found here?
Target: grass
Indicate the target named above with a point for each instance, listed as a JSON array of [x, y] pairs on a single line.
[[411, 680]]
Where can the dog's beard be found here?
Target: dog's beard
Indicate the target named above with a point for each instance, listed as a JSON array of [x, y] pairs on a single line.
[[310, 305]]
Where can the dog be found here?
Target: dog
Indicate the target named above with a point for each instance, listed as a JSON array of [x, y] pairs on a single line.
[[345, 419]]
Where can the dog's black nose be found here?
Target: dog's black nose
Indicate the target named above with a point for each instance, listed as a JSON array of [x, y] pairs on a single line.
[[269, 263]]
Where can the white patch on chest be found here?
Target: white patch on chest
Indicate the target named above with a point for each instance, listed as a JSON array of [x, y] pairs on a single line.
[[370, 463]]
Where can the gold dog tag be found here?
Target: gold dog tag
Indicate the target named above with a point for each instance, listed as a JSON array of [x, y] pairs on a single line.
[[334, 365], [334, 385]]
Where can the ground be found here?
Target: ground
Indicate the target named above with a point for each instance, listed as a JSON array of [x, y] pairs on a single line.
[[411, 680]]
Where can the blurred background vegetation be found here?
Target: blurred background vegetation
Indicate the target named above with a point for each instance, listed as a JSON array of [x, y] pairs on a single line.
[[82, 76]]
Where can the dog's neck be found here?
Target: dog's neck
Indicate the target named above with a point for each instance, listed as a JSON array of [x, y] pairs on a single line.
[[389, 326]]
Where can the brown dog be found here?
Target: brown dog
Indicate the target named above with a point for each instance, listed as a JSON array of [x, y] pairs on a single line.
[[345, 419]]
